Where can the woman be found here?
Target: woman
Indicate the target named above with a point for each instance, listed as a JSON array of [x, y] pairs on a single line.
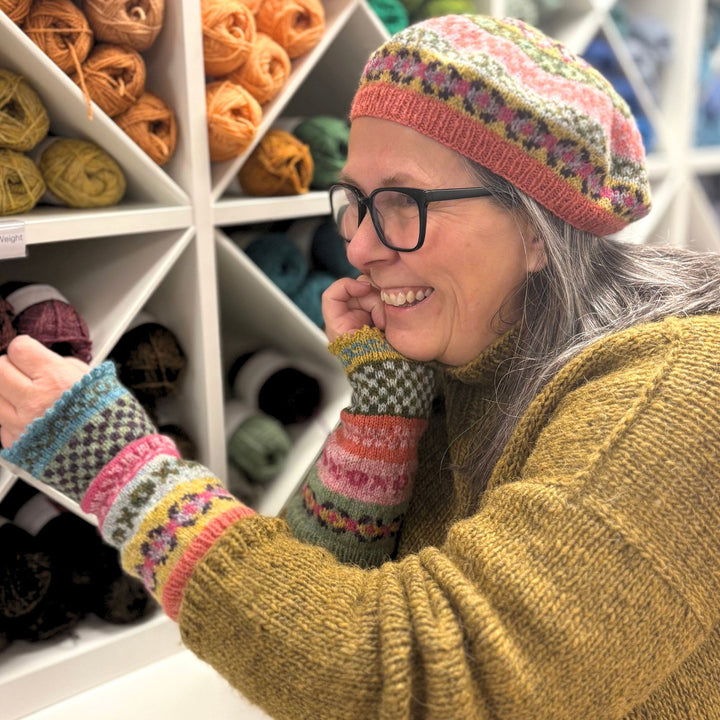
[[518, 514]]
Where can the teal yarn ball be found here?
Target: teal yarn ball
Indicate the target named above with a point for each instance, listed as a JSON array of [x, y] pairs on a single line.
[[280, 259], [392, 13], [259, 447], [328, 251], [309, 297], [327, 138]]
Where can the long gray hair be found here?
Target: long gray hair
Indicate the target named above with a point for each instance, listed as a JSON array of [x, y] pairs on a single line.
[[591, 286]]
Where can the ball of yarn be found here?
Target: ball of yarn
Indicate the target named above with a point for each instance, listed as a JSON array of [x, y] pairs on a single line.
[[265, 71], [24, 121], [392, 14], [80, 174], [309, 297], [275, 384], [435, 8], [134, 23], [150, 361], [296, 25], [328, 251], [228, 28], [327, 137], [16, 10], [114, 77], [21, 183], [259, 446], [280, 259], [7, 329], [61, 30], [279, 165], [152, 125], [233, 117], [45, 314]]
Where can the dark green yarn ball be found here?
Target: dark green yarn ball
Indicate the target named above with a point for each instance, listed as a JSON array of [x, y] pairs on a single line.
[[327, 138]]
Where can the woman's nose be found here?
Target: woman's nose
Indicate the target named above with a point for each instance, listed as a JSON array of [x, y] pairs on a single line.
[[365, 247]]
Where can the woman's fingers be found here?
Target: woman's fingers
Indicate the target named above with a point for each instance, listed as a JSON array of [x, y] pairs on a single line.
[[348, 305], [32, 379]]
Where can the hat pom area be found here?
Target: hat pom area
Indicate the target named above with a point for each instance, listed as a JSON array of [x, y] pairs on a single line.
[[505, 95]]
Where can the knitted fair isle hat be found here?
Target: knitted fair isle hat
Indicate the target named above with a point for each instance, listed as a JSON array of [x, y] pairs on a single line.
[[503, 94]]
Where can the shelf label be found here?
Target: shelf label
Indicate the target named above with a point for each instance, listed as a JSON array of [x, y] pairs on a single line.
[[12, 239]]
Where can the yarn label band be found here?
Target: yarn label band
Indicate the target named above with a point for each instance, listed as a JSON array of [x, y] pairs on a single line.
[[12, 239]]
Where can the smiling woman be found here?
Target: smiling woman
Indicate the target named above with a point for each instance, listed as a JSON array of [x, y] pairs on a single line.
[[518, 513]]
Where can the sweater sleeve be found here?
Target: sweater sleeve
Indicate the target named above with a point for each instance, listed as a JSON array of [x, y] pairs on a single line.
[[354, 497], [585, 585]]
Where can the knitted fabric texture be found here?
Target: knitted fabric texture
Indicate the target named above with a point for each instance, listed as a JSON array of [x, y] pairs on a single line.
[[354, 498], [519, 103]]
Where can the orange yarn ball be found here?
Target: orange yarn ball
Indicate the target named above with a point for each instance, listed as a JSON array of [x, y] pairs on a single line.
[[228, 28], [16, 10], [114, 77], [233, 117], [296, 25], [61, 31], [265, 71], [279, 165], [152, 124], [135, 23]]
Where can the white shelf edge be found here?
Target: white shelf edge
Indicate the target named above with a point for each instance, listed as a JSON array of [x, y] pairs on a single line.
[[47, 224], [247, 210], [95, 653]]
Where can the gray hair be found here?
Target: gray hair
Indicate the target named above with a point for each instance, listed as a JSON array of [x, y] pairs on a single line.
[[590, 287]]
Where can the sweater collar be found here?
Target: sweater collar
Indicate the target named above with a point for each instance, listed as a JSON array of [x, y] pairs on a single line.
[[487, 367]]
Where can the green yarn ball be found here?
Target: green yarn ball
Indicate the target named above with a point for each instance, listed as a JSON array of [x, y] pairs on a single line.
[[309, 297], [392, 14], [280, 259], [259, 446], [327, 138], [436, 8]]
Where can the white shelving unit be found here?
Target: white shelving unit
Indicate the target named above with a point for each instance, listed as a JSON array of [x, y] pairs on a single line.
[[165, 249]]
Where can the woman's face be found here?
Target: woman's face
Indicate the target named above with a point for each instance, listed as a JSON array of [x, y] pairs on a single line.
[[473, 258]]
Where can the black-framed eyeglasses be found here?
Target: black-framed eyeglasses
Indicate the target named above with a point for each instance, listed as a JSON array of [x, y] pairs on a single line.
[[399, 214]]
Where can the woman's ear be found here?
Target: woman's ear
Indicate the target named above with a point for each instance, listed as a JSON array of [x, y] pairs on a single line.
[[536, 256]]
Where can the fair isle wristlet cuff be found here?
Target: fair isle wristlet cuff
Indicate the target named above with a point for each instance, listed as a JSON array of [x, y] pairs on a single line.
[[384, 382], [83, 431]]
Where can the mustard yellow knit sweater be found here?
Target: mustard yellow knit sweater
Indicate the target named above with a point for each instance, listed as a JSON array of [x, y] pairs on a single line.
[[584, 583]]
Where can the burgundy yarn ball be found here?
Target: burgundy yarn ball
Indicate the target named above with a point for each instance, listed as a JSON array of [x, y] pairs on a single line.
[[58, 326], [7, 329]]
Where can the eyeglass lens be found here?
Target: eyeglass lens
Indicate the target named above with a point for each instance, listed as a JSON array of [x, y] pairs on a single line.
[[395, 214]]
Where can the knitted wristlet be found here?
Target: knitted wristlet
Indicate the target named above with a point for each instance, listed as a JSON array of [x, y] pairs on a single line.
[[69, 445], [355, 496]]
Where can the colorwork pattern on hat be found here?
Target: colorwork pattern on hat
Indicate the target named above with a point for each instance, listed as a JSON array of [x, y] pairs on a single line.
[[521, 104]]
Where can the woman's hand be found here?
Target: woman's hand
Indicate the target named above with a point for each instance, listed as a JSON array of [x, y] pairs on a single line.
[[32, 378], [349, 305]]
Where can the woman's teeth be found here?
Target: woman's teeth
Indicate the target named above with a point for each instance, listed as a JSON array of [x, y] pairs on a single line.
[[408, 297]]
